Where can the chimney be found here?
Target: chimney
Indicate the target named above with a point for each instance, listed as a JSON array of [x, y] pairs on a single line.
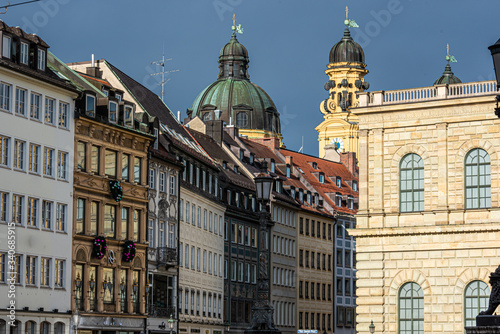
[[288, 160], [94, 70], [215, 130], [271, 143], [331, 153], [348, 159], [232, 131]]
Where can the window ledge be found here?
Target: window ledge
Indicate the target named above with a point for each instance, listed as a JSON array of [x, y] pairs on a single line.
[[34, 173]]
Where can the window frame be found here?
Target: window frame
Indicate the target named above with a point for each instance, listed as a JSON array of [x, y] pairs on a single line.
[[413, 171]]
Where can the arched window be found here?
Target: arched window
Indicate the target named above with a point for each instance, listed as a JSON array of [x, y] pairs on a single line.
[[477, 296], [59, 328], [45, 328], [477, 179], [411, 190], [411, 309], [242, 119], [16, 329], [29, 327], [3, 327]]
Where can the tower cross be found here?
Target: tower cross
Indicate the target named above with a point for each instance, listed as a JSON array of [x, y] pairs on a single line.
[[346, 12], [447, 49], [234, 19]]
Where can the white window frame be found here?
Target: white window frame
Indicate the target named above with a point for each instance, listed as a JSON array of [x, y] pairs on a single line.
[[50, 110], [113, 115], [25, 49], [61, 217], [4, 151], [45, 271], [35, 106], [172, 185], [34, 158], [59, 273], [19, 154], [47, 214], [48, 161], [41, 60], [63, 120], [62, 165], [21, 98], [162, 181], [5, 96], [6, 46]]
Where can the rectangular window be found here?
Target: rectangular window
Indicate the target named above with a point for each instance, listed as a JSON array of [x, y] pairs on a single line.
[[188, 211], [31, 270], [124, 232], [62, 165], [110, 163], [34, 160], [19, 148], [48, 162], [3, 259], [35, 106], [109, 221], [20, 108], [172, 185], [80, 215], [234, 270], [95, 159], [50, 107], [151, 236], [137, 170], [128, 116], [108, 275], [24, 53], [32, 212], [254, 237], [4, 151], [152, 178], [193, 258], [198, 259], [204, 261], [113, 111], [339, 257], [61, 217], [81, 155], [59, 274], [17, 209], [63, 115], [41, 60], [47, 208], [45, 272], [186, 256], [125, 160], [137, 220], [90, 106], [5, 93], [6, 46], [94, 215], [162, 182]]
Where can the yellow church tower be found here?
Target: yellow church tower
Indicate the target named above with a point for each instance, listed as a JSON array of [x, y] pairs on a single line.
[[346, 71]]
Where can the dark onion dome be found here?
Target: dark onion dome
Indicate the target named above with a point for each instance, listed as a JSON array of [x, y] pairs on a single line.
[[240, 101], [347, 50], [448, 77]]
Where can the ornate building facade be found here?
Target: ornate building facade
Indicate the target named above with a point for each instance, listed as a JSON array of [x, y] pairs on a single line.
[[427, 226]]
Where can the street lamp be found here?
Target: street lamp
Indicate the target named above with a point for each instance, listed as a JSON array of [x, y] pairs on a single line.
[[372, 328], [76, 319], [262, 312], [495, 54], [171, 323], [78, 291]]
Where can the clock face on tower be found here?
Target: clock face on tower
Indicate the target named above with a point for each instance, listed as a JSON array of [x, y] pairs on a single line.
[[339, 144]]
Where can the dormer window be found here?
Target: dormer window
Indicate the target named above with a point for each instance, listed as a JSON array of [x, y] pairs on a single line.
[[224, 164], [273, 166], [292, 191], [338, 199], [90, 106], [118, 96], [129, 115], [237, 199], [301, 195], [354, 185], [24, 53], [316, 199], [321, 177], [338, 182], [350, 202], [242, 119], [242, 155], [41, 60], [252, 156], [236, 169], [113, 111], [309, 197], [206, 117], [6, 46], [314, 165], [287, 170], [279, 187], [228, 196], [156, 139], [105, 91]]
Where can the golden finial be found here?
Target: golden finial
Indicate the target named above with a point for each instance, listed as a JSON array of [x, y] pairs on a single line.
[[346, 12], [447, 49], [234, 19]]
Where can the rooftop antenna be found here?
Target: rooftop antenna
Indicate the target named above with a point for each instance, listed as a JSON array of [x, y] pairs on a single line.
[[302, 147], [163, 72], [349, 23], [16, 4]]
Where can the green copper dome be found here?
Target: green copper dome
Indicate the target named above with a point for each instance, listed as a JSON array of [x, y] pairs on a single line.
[[347, 50], [448, 77], [233, 98]]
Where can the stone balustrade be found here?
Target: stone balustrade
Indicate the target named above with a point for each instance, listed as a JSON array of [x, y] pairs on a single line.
[[378, 98]]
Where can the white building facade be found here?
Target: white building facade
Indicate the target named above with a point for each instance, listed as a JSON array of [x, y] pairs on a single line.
[[36, 164]]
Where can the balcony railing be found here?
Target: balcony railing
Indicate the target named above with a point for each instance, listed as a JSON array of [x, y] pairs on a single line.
[[160, 312], [163, 256]]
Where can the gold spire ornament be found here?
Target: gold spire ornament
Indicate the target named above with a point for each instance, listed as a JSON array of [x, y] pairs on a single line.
[[449, 58], [349, 23], [236, 28]]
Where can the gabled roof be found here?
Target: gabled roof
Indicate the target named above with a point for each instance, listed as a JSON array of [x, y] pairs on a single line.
[[151, 102]]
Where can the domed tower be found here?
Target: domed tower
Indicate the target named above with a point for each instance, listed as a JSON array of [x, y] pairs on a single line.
[[448, 77], [234, 99], [346, 71]]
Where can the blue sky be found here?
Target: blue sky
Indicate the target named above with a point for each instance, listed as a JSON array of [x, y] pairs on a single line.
[[288, 43]]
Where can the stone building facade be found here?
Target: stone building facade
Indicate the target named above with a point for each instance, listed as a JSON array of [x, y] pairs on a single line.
[[427, 226]]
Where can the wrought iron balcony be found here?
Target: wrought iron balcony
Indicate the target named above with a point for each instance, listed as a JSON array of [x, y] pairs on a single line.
[[160, 312]]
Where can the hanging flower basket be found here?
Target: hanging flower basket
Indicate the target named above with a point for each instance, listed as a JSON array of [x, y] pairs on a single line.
[[99, 248], [128, 251], [116, 190]]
